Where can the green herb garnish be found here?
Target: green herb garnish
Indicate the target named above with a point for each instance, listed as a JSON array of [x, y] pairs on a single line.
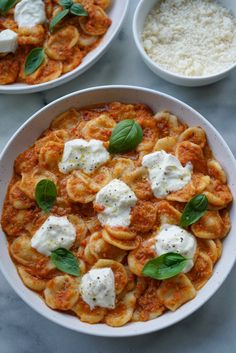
[[194, 210], [45, 194], [65, 261], [6, 5], [78, 10], [34, 60], [165, 266], [68, 7], [126, 136]]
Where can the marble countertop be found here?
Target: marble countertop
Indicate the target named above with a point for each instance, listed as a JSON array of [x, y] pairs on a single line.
[[212, 328]]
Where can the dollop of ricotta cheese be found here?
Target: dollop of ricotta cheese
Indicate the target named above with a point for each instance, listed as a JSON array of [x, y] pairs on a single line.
[[8, 41], [56, 232], [166, 174], [116, 199], [29, 13], [172, 238], [98, 288], [82, 154]]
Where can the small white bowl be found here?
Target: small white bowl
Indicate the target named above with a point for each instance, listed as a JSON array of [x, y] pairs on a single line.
[[117, 13], [33, 127], [142, 10]]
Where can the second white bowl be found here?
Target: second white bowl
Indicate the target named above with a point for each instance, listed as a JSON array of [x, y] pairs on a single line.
[[117, 14], [142, 10]]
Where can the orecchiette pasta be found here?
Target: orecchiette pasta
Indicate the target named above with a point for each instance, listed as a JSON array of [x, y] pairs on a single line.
[[65, 47], [197, 185], [62, 292], [99, 128], [167, 124], [218, 194], [120, 274], [215, 170], [29, 180], [23, 253], [100, 249], [210, 226], [85, 314], [66, 120], [138, 182], [167, 214], [119, 250], [209, 247], [149, 305], [123, 311], [143, 216], [50, 155], [138, 257], [167, 144], [124, 244], [176, 291], [194, 134], [31, 281], [98, 22], [189, 152], [18, 198], [83, 188], [201, 271]]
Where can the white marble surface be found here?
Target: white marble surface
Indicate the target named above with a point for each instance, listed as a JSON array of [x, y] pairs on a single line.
[[212, 328]]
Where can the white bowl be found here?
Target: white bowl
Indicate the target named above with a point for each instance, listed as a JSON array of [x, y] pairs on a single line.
[[117, 14], [33, 127], [142, 10]]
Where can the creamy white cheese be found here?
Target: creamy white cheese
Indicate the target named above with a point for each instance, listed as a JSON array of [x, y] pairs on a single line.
[[8, 41], [98, 288], [116, 199], [172, 238], [56, 232], [166, 174], [82, 154], [29, 13]]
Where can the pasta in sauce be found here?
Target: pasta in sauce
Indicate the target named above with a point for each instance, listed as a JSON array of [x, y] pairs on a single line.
[[72, 39], [124, 250]]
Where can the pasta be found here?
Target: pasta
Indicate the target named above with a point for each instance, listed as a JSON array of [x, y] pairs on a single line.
[[123, 249], [64, 48]]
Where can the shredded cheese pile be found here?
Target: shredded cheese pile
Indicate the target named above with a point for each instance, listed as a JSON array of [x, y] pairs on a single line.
[[191, 37]]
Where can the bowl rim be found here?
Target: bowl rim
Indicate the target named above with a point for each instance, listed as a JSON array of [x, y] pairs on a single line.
[[135, 332], [154, 65], [79, 70]]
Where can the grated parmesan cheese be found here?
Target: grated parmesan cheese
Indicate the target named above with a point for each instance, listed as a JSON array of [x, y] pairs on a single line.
[[191, 37]]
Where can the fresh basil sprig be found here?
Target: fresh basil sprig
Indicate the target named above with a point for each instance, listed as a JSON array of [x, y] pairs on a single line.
[[68, 7], [165, 266], [65, 261], [34, 59], [6, 5], [45, 194], [194, 210], [126, 136], [58, 19], [78, 10], [66, 3]]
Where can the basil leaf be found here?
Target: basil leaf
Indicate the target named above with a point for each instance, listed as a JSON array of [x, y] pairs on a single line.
[[165, 266], [65, 261], [194, 210], [45, 194], [6, 5], [34, 60], [57, 19], [78, 10], [66, 3], [126, 136]]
